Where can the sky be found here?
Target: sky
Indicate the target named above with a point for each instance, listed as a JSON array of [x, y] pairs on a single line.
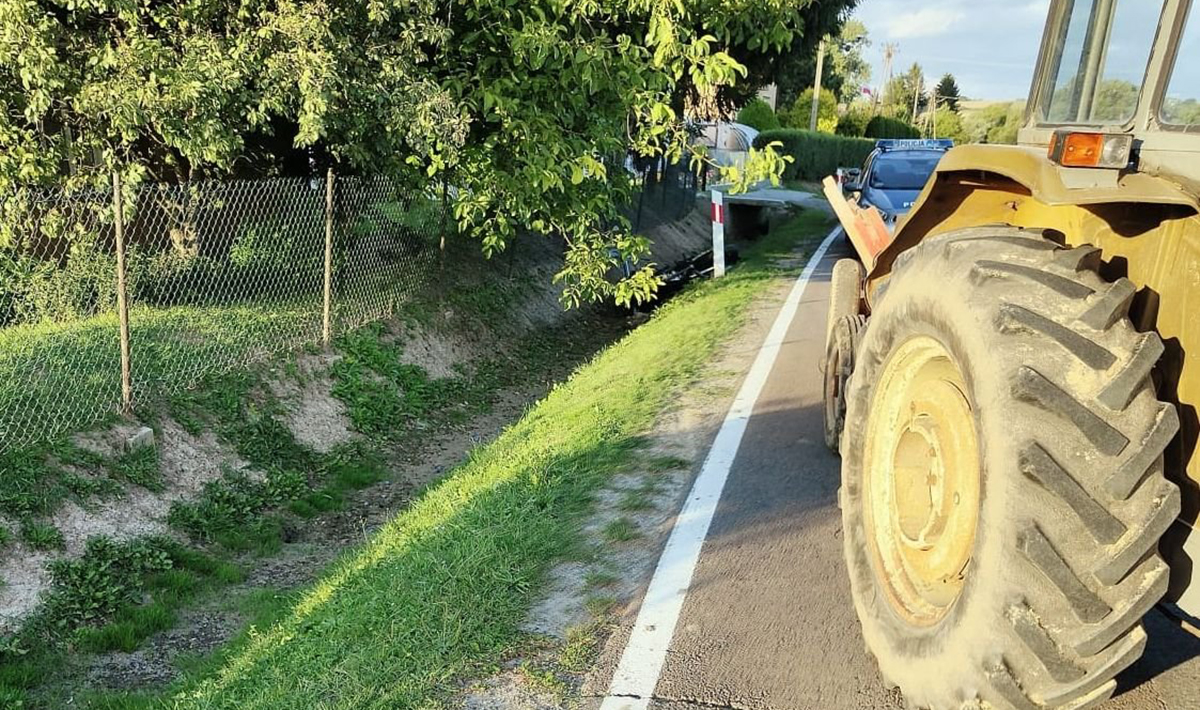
[[990, 46]]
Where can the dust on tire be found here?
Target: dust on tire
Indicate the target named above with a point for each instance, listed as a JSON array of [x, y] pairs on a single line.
[[1065, 562]]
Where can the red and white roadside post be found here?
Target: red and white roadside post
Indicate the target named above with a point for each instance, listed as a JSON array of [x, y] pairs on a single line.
[[718, 239]]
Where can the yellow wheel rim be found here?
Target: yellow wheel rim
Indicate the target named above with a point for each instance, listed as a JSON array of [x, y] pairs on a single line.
[[922, 480]]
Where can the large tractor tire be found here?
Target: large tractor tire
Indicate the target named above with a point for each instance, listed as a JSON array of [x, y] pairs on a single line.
[[845, 292], [843, 327], [837, 368], [1003, 492]]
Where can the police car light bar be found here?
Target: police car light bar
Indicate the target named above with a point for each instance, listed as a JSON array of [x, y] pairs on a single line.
[[915, 144]]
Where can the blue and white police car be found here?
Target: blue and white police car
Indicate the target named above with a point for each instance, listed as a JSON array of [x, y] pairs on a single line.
[[894, 175]]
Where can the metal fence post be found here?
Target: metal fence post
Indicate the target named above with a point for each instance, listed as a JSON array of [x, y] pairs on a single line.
[[122, 295], [327, 321]]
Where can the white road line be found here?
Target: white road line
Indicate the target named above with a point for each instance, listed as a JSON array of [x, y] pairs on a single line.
[[641, 664]]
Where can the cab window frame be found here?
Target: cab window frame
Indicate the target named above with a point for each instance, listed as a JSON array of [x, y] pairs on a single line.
[[1050, 58], [1170, 61]]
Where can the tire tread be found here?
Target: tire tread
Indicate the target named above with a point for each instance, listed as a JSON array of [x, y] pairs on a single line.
[[1078, 622]]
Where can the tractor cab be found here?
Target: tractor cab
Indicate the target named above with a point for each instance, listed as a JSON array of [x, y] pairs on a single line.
[[1124, 77]]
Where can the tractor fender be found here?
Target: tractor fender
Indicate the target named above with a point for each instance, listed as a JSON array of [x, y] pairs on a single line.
[[1020, 174]]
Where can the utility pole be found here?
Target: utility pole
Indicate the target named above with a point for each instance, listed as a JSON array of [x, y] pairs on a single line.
[[816, 101], [889, 52], [934, 113], [918, 84]]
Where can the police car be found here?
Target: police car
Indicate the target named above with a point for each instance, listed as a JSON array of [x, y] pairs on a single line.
[[894, 175]]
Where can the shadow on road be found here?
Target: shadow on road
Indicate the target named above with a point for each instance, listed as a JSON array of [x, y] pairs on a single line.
[[1168, 645]]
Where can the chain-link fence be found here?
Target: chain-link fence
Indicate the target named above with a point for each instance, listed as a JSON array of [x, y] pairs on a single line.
[[666, 193], [213, 275], [99, 312]]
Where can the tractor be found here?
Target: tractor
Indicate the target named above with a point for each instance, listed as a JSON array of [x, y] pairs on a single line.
[[1012, 381]]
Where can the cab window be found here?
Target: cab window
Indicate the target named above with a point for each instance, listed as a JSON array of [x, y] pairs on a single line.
[[1099, 61], [1181, 104]]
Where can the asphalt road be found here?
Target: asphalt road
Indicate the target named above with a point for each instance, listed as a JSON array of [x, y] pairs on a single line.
[[768, 622]]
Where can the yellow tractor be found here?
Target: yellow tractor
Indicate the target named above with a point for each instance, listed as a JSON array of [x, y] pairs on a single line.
[[1013, 379]]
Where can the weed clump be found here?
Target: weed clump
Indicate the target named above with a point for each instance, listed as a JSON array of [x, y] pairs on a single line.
[[229, 503], [41, 535], [109, 574], [139, 467]]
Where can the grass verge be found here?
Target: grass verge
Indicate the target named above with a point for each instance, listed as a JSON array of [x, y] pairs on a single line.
[[439, 593]]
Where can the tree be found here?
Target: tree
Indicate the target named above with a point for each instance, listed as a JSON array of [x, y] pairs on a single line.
[[896, 100], [849, 69], [854, 122], [946, 123], [800, 113], [1006, 131], [793, 70], [947, 93], [516, 105], [1181, 112], [898, 96], [997, 123], [759, 115], [1116, 100]]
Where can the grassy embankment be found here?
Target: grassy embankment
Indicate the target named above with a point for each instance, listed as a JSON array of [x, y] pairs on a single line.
[[117, 595], [60, 378], [438, 594]]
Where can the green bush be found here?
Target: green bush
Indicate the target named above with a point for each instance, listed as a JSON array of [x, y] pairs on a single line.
[[266, 260], [271, 246], [799, 116], [759, 115], [816, 155], [854, 123], [16, 273], [33, 289], [57, 266], [884, 127]]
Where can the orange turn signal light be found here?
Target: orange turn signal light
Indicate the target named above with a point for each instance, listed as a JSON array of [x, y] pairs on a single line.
[[1074, 149]]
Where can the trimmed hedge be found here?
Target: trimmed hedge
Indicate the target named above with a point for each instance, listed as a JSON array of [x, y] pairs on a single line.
[[817, 155], [884, 127]]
